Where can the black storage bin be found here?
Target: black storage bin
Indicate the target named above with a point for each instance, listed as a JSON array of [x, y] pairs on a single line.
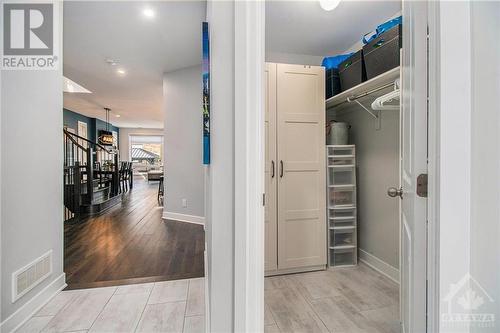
[[382, 53], [332, 82], [352, 71]]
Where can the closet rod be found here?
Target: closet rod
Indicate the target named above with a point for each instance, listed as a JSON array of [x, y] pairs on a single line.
[[366, 93]]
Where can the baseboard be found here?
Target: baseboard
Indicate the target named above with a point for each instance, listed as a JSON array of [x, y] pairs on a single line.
[[379, 265], [184, 218], [25, 312], [294, 270]]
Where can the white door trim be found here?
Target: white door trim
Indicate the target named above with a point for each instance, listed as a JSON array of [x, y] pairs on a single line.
[[78, 129], [249, 166], [433, 169]]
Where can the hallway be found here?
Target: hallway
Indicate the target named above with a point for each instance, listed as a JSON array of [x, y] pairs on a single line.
[[130, 243]]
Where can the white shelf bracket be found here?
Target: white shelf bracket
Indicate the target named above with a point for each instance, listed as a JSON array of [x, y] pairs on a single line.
[[374, 115]]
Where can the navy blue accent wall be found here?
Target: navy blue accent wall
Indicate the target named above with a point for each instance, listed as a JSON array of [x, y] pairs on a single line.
[[71, 119], [94, 125]]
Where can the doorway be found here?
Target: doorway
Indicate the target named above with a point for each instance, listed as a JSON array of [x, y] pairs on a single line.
[[368, 234]]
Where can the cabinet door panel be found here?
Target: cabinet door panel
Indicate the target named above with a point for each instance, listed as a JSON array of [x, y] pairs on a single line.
[[301, 151], [271, 215]]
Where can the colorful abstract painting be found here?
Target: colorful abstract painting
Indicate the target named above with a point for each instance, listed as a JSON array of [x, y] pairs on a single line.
[[206, 93]]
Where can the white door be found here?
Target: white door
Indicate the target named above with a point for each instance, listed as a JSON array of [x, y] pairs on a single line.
[[82, 131], [301, 166], [413, 164], [271, 184]]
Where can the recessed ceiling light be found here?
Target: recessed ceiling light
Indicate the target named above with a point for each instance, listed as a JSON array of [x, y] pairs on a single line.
[[121, 71], [148, 12], [329, 5], [117, 116]]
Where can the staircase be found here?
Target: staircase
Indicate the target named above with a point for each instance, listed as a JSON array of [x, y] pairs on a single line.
[[91, 177]]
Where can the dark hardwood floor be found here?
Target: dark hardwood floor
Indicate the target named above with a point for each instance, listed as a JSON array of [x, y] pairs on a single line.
[[130, 243]]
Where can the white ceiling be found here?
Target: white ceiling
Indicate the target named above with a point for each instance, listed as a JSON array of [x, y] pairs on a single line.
[[145, 48], [303, 27], [96, 30]]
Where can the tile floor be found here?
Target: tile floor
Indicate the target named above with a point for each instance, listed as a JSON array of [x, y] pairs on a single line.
[[170, 306], [355, 299], [344, 300]]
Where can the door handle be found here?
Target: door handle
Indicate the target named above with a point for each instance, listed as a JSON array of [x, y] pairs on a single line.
[[272, 169], [281, 169], [395, 192]]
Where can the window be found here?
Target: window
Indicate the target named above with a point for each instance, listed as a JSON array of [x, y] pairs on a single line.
[[146, 152]]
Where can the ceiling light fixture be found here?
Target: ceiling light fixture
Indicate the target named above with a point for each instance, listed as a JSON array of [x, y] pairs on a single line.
[[148, 12], [117, 116], [121, 71], [329, 5]]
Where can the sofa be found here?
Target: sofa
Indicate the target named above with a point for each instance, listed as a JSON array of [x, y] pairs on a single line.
[[154, 175]]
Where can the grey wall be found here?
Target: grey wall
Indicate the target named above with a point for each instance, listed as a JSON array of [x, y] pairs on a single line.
[[31, 175], [183, 142], [124, 140], [485, 173], [377, 169]]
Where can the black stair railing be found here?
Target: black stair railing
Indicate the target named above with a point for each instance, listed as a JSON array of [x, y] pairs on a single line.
[[82, 159]]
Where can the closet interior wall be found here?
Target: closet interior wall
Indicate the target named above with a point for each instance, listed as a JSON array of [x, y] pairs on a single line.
[[377, 170]]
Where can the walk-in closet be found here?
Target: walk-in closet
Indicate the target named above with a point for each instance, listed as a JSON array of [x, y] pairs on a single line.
[[333, 135]]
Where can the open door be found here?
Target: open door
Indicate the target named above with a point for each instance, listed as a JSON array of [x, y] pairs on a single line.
[[413, 167]]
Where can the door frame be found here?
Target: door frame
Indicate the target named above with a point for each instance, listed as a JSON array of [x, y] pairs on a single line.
[[86, 129], [249, 168], [249, 133], [433, 153]]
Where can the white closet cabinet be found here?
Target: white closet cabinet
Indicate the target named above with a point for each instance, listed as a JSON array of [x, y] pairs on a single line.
[[295, 168], [271, 185]]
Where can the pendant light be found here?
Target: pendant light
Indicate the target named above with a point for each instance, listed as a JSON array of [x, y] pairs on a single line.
[[106, 138]]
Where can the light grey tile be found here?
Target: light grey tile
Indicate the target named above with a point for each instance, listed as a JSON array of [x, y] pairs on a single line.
[[274, 282], [383, 284], [314, 285], [164, 317], [196, 298], [121, 314], [271, 329], [57, 303], [340, 316], [81, 311], [361, 289], [268, 316], [34, 325], [386, 319], [134, 288], [194, 324], [291, 311], [169, 291]]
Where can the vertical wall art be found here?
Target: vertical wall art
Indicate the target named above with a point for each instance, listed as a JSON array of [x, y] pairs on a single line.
[[206, 93]]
